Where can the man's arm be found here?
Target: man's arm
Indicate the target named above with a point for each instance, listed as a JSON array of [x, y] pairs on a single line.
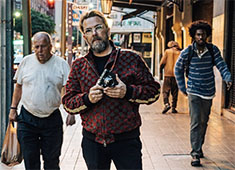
[[145, 89], [163, 61], [15, 101], [77, 100], [70, 119], [179, 73], [222, 66]]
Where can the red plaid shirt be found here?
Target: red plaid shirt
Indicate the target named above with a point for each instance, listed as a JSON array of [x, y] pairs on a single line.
[[110, 115]]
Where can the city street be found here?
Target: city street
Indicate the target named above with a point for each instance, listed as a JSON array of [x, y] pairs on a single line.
[[165, 140], [146, 28]]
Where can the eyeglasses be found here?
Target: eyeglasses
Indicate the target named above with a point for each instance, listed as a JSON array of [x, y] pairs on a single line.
[[97, 29]]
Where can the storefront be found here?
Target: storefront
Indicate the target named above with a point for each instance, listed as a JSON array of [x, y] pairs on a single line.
[[172, 21]]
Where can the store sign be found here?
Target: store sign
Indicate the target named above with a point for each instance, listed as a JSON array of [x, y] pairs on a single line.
[[127, 23], [77, 11], [135, 24], [146, 38], [136, 38]]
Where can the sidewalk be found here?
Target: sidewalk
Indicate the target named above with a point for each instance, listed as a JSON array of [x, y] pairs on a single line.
[[166, 144]]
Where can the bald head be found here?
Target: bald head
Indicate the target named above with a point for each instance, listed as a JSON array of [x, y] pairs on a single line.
[[42, 45], [44, 35]]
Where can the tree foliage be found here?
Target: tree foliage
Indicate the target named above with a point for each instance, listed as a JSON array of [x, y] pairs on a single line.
[[39, 22]]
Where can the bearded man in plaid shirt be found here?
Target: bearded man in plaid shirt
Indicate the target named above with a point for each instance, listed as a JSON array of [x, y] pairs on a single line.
[[110, 115]]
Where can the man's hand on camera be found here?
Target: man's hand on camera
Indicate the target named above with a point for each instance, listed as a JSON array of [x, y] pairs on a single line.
[[119, 91], [95, 94]]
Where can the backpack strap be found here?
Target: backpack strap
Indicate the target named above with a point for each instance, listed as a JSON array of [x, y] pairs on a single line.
[[209, 46], [190, 56]]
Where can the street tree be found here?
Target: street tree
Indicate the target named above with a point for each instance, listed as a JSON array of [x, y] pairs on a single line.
[[40, 22]]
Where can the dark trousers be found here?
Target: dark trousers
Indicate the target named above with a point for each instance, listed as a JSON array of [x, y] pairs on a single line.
[[125, 154], [199, 109], [40, 136], [170, 86]]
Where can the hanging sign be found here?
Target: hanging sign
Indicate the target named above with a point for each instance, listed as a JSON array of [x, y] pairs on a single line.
[[77, 11]]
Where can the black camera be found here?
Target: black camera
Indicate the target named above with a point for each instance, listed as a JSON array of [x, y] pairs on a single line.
[[107, 79]]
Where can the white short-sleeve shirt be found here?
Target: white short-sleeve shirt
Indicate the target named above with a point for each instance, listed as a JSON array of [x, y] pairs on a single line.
[[42, 84]]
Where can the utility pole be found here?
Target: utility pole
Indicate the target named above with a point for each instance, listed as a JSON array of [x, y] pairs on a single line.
[[6, 61], [63, 29], [26, 26]]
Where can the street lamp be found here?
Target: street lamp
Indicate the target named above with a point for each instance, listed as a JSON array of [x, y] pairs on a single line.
[[106, 6], [51, 4], [17, 14]]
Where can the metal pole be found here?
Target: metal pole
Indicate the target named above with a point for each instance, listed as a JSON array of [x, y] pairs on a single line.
[[154, 51], [63, 29], [77, 36], [9, 53], [70, 34], [26, 26], [6, 59]]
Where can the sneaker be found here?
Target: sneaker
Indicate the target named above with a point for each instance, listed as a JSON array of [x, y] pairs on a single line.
[[166, 108], [174, 110], [195, 161]]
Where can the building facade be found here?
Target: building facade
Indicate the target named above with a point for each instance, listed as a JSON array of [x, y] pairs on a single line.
[[173, 23]]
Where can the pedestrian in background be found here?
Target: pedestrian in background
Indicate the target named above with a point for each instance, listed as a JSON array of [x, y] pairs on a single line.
[[197, 61], [169, 84], [109, 106], [39, 81]]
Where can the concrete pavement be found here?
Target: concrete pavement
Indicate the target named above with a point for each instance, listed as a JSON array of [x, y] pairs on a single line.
[[165, 139]]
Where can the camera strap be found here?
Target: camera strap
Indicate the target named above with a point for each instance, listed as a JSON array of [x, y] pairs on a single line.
[[109, 66]]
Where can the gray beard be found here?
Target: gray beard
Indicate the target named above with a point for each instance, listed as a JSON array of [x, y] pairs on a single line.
[[99, 47]]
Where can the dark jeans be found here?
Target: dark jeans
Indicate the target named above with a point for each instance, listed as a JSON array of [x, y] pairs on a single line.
[[126, 154], [170, 86], [40, 136], [199, 112]]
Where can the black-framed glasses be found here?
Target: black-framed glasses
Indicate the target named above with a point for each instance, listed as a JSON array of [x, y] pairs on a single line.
[[97, 29]]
